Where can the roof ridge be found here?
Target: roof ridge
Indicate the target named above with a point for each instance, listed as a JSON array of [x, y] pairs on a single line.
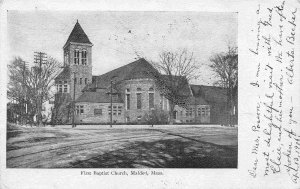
[[136, 61]]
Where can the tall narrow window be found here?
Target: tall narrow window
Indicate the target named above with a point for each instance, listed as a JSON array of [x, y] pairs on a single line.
[[60, 86], [85, 81], [114, 110], [83, 57], [65, 86], [75, 80], [139, 101], [161, 101], [80, 81], [81, 110], [66, 58], [127, 101], [119, 110], [76, 57], [109, 110], [151, 100]]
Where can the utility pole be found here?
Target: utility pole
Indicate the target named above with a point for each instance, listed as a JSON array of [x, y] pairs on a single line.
[[111, 82], [24, 90], [39, 58], [74, 85], [111, 93]]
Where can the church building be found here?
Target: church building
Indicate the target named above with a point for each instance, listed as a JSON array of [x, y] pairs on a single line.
[[128, 94]]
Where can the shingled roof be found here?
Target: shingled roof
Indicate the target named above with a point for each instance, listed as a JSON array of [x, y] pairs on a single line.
[[78, 35], [139, 69], [64, 75], [210, 93]]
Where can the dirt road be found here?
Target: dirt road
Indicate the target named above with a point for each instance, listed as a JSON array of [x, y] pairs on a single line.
[[122, 147]]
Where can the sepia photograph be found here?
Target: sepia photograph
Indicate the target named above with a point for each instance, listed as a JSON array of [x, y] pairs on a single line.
[[122, 89]]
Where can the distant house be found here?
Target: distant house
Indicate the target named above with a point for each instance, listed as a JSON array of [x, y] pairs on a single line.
[[133, 89]]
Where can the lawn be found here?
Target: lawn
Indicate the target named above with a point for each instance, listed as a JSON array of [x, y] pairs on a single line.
[[130, 146]]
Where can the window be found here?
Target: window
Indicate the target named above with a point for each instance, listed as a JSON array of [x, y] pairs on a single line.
[[76, 57], [80, 81], [97, 111], [189, 112], [207, 111], [79, 109], [139, 89], [139, 101], [127, 90], [151, 97], [199, 112], [119, 110], [127, 101], [203, 111], [109, 110], [75, 80], [66, 58], [85, 81], [114, 110], [83, 57], [151, 100], [139, 118], [65, 86], [60, 86]]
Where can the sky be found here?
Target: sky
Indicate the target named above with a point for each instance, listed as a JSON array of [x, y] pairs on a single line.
[[121, 37]]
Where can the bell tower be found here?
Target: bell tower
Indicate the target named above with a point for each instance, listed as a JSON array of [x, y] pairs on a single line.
[[78, 59]]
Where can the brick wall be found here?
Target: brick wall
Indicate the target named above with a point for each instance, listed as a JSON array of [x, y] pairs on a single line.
[[144, 84], [82, 71], [89, 117], [184, 116]]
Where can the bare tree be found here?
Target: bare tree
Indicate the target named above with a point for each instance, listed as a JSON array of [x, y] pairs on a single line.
[[17, 91], [32, 86], [225, 65], [176, 70]]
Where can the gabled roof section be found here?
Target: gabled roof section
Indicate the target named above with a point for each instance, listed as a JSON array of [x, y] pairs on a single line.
[[97, 97], [139, 69], [78, 35], [64, 75], [210, 93]]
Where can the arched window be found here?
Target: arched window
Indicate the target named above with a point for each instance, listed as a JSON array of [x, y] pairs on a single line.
[[151, 98], [127, 99], [139, 99]]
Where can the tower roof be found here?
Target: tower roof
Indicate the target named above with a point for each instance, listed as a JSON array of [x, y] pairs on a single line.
[[78, 35]]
